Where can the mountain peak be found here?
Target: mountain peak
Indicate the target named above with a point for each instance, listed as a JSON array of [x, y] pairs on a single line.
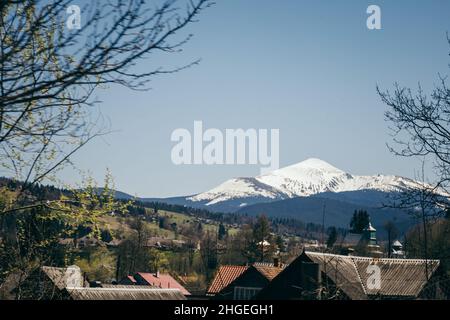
[[308, 166], [316, 163], [309, 177]]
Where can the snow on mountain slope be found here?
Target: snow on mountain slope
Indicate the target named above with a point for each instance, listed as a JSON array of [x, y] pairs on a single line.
[[306, 178], [239, 188]]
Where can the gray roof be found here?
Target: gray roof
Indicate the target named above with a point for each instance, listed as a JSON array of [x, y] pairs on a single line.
[[125, 294], [11, 282], [351, 239], [64, 277], [370, 228], [125, 286], [399, 277], [397, 244], [342, 272]]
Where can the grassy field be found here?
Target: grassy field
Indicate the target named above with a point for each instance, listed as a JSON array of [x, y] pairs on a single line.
[[181, 219], [119, 225]]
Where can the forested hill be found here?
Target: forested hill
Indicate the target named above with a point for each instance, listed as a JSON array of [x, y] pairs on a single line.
[[281, 224]]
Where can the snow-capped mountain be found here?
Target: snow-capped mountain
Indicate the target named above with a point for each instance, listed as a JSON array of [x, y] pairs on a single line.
[[307, 178]]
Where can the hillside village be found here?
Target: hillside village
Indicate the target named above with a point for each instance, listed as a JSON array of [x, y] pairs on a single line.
[[149, 252], [312, 275]]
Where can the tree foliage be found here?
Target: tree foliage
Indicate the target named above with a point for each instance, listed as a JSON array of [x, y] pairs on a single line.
[[49, 73], [360, 220], [259, 243], [222, 233], [30, 235], [100, 265], [332, 237]]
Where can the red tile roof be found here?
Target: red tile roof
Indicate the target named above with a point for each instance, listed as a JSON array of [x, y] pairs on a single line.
[[269, 272], [224, 276], [163, 280]]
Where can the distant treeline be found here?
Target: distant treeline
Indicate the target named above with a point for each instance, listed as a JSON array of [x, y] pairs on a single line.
[[39, 191], [279, 224]]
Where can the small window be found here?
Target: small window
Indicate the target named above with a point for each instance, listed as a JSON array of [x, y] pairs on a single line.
[[245, 293]]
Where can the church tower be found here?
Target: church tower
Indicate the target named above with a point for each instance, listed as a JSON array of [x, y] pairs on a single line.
[[370, 240]]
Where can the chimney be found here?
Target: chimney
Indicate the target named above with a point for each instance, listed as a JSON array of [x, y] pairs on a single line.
[[95, 284], [85, 280], [157, 274], [276, 262]]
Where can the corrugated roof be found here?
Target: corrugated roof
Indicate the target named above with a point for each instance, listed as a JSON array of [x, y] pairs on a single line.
[[163, 280], [125, 286], [125, 294], [342, 271], [224, 276], [64, 277], [398, 277]]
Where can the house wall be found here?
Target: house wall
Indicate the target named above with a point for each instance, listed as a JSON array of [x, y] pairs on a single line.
[[140, 281], [37, 286], [127, 281], [251, 279], [438, 286], [298, 281]]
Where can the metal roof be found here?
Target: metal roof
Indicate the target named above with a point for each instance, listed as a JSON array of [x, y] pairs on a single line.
[[350, 239], [370, 228], [397, 244], [341, 270], [398, 277], [162, 280], [124, 286], [125, 294], [64, 277]]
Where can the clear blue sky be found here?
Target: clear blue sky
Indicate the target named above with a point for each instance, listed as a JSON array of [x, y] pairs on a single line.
[[308, 68]]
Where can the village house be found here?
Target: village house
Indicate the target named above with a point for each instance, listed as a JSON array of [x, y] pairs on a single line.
[[52, 283], [158, 280], [242, 282], [369, 240], [125, 293], [42, 283], [397, 250], [249, 283], [315, 275], [365, 242], [169, 244], [225, 275]]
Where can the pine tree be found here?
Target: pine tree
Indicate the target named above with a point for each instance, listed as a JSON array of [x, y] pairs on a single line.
[[332, 237], [222, 232], [261, 233], [360, 220]]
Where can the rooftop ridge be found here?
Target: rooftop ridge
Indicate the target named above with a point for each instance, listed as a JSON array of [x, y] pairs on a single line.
[[359, 276], [374, 259], [124, 289]]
